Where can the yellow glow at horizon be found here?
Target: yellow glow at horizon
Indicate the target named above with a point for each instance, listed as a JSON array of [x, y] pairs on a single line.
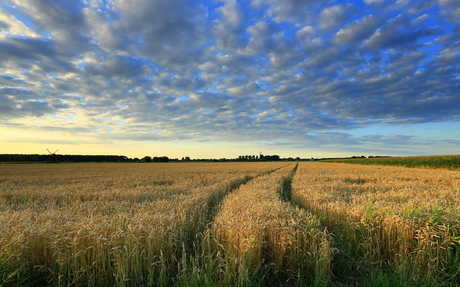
[[29, 141]]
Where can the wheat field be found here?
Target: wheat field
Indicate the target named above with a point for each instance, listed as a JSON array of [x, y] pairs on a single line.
[[404, 221], [228, 224]]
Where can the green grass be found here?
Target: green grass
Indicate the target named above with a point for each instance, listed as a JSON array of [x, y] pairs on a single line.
[[451, 162], [11, 272]]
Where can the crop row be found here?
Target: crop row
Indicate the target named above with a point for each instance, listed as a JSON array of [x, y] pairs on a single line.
[[107, 224], [228, 224], [259, 239], [391, 225], [446, 161]]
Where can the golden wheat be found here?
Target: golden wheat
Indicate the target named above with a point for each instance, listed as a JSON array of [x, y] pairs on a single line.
[[400, 218], [255, 229], [227, 224], [83, 223]]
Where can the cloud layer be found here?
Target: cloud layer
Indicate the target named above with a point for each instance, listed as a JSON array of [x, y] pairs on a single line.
[[249, 71]]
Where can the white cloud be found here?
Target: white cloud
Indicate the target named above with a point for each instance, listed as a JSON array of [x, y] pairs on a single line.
[[294, 11], [373, 1], [332, 17], [306, 33], [230, 28], [11, 26], [449, 4], [359, 29], [176, 69], [243, 90]]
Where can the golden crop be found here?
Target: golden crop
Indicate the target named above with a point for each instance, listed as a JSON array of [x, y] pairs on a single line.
[[255, 228], [228, 224], [75, 222], [390, 217]]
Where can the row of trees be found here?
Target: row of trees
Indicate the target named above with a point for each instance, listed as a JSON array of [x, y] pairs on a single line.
[[61, 158], [117, 158], [258, 157], [186, 158], [155, 159]]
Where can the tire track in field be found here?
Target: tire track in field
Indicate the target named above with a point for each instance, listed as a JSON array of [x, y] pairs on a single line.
[[259, 236], [189, 248], [214, 209], [214, 204], [286, 186]]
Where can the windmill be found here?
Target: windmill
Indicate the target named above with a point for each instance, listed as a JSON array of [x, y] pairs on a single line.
[[261, 156], [53, 156]]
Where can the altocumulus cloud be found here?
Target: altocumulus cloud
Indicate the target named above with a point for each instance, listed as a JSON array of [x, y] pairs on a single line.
[[303, 71]]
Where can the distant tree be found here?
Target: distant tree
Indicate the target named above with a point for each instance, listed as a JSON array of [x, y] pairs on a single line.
[[272, 157], [146, 159], [160, 159]]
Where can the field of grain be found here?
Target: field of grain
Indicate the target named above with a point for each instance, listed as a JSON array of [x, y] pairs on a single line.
[[228, 224], [451, 162], [107, 224], [265, 239], [394, 225]]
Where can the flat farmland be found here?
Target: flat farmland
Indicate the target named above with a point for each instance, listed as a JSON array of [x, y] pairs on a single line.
[[228, 224]]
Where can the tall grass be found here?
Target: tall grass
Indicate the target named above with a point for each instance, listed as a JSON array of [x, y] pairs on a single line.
[[258, 239], [228, 224], [445, 161], [108, 225], [394, 222]]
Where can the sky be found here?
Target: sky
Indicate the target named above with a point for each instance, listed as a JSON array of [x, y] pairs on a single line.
[[213, 79]]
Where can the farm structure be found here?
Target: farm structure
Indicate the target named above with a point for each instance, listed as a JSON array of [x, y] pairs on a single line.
[[228, 224]]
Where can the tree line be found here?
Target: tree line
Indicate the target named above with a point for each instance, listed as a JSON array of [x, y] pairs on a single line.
[[54, 158], [61, 158]]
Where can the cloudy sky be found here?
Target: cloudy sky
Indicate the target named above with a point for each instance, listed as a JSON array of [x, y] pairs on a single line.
[[210, 79]]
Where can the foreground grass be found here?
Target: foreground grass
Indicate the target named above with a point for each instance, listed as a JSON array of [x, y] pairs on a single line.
[[392, 226], [108, 224], [259, 239], [228, 224], [451, 162]]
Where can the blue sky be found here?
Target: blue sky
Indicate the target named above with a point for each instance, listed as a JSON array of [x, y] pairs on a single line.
[[227, 78]]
